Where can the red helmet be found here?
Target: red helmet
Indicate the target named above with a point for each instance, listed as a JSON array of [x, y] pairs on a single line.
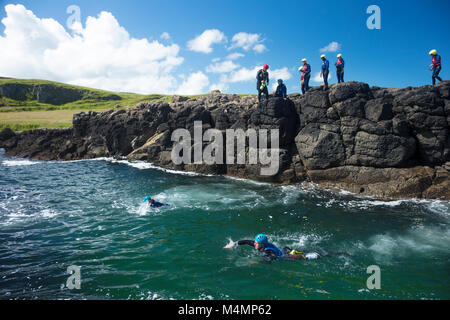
[[266, 66]]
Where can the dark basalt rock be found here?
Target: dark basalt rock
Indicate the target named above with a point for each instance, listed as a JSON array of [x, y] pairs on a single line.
[[380, 141]]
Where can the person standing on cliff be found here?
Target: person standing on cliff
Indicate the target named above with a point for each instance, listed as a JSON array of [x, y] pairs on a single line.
[[435, 65], [305, 71], [340, 68], [262, 78], [325, 70]]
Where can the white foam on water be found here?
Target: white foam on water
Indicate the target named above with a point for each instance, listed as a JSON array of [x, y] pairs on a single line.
[[296, 240], [48, 213], [423, 241], [19, 214], [143, 209], [142, 165], [259, 183], [19, 162]]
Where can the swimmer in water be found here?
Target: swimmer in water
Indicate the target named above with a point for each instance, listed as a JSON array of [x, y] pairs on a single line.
[[154, 204], [270, 252]]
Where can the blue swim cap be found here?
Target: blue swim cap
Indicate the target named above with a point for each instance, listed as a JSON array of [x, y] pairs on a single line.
[[280, 80], [147, 198], [261, 238]]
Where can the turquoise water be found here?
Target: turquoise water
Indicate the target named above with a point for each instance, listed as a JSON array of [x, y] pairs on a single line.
[[90, 214]]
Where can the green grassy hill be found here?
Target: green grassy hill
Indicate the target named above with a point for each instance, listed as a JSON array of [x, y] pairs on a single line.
[[29, 104]]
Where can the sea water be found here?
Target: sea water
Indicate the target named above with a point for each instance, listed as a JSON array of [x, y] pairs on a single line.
[[91, 214]]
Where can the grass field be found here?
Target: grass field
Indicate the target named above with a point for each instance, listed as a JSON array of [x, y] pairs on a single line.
[[28, 113], [26, 120]]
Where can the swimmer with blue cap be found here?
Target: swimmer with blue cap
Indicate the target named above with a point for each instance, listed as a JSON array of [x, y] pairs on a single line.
[[271, 252], [154, 204]]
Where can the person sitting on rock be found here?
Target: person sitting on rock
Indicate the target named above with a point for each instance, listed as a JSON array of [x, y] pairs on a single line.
[[270, 252], [340, 68], [262, 78], [305, 71], [154, 204], [281, 89], [325, 70], [435, 66]]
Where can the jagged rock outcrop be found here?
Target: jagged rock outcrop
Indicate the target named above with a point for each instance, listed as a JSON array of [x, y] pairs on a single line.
[[369, 140]]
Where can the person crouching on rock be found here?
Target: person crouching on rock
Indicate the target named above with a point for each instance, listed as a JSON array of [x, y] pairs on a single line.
[[281, 89], [435, 66], [305, 71], [270, 252], [262, 78], [325, 70], [340, 68]]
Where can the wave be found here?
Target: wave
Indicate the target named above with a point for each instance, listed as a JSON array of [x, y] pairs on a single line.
[[19, 162]]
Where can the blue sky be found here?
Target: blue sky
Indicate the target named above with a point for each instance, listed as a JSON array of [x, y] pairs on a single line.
[[394, 56]]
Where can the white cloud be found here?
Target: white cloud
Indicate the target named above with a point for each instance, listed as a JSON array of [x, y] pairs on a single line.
[[317, 78], [222, 67], [243, 75], [203, 42], [259, 48], [331, 47], [247, 41], [165, 36], [194, 84], [100, 55], [276, 74], [221, 86], [234, 56]]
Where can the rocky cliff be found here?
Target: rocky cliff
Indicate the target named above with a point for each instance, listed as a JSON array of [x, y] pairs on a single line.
[[389, 143]]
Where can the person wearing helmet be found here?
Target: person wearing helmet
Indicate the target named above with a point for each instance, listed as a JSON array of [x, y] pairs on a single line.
[[435, 66], [281, 89], [154, 204], [305, 71], [271, 252], [340, 68], [262, 78], [325, 70]]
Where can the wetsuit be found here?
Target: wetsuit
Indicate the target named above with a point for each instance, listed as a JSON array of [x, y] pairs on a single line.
[[262, 77], [325, 72], [271, 252], [340, 69], [306, 75], [157, 204], [281, 91], [436, 67]]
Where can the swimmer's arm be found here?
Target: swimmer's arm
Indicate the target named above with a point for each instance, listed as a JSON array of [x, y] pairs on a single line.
[[247, 242], [239, 243]]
